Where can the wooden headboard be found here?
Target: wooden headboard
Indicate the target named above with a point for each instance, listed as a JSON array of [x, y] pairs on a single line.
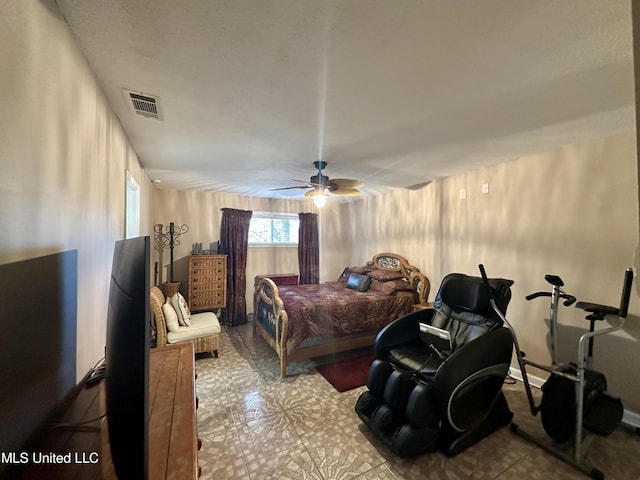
[[411, 273]]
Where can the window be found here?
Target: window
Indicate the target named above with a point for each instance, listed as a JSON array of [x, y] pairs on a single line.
[[273, 229], [132, 215]]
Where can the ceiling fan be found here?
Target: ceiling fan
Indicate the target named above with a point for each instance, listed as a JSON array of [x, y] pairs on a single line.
[[321, 186]]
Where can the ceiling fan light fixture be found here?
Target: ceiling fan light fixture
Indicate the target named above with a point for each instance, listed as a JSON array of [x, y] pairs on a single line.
[[321, 186], [320, 200]]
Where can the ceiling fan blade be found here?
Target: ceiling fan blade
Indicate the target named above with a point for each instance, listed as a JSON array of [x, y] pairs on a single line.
[[336, 183], [288, 188], [312, 193], [348, 192]]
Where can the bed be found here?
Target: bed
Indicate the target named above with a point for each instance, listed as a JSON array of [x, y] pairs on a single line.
[[306, 321]]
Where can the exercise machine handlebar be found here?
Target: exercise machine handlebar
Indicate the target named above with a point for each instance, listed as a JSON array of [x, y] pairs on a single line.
[[568, 299]]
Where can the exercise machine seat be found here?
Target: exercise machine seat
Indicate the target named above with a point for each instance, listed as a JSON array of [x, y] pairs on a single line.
[[421, 399]]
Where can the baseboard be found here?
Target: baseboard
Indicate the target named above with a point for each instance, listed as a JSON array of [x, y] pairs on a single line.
[[629, 418], [533, 380]]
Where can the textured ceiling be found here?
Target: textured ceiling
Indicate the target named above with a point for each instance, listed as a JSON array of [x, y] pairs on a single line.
[[395, 93]]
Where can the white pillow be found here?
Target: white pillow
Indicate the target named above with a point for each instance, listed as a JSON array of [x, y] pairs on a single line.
[[182, 309], [170, 316]]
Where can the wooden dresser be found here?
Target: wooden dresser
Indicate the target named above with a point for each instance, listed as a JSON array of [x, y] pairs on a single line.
[[207, 282], [173, 428], [279, 278], [173, 435]]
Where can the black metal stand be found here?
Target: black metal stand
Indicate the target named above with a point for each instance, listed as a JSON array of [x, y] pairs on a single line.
[[169, 239]]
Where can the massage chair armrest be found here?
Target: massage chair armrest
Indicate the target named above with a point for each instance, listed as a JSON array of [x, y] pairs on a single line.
[[470, 379], [493, 348], [403, 331]]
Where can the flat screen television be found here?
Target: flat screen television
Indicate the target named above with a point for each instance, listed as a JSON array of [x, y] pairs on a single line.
[[127, 358]]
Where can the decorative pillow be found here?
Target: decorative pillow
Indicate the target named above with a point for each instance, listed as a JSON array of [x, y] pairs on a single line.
[[358, 282], [344, 276], [361, 270], [391, 287], [385, 275], [170, 316], [182, 309]]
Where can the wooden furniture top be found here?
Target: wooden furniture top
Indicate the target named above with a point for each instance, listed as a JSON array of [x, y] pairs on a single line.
[[173, 442], [173, 437], [279, 278]]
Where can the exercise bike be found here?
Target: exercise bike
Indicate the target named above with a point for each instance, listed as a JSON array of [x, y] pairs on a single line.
[[574, 397]]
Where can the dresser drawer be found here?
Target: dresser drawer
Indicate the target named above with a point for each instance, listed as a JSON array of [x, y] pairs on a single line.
[[208, 267], [206, 290], [206, 300], [208, 281]]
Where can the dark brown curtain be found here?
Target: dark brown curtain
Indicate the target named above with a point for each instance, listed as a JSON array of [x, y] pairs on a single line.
[[308, 248], [234, 238]]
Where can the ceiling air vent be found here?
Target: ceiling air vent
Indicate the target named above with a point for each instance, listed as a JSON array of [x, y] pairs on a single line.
[[144, 104]]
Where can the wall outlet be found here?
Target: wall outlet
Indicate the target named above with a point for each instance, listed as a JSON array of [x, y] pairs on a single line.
[[485, 188], [463, 193]]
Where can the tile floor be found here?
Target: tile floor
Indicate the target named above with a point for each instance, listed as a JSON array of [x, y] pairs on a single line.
[[255, 425]]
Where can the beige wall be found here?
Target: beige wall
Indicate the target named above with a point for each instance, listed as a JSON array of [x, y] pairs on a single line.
[[572, 212], [201, 212], [404, 222], [63, 157]]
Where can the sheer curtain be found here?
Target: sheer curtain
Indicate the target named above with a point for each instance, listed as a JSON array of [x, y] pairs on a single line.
[[234, 238], [308, 248]]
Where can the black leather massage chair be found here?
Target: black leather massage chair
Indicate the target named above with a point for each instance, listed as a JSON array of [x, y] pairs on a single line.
[[422, 397]]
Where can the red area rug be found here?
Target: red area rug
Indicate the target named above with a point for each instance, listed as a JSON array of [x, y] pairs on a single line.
[[347, 374]]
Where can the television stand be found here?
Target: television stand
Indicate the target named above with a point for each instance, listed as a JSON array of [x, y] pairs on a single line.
[[173, 437]]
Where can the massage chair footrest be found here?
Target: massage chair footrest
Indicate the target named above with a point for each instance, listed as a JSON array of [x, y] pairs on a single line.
[[402, 439]]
